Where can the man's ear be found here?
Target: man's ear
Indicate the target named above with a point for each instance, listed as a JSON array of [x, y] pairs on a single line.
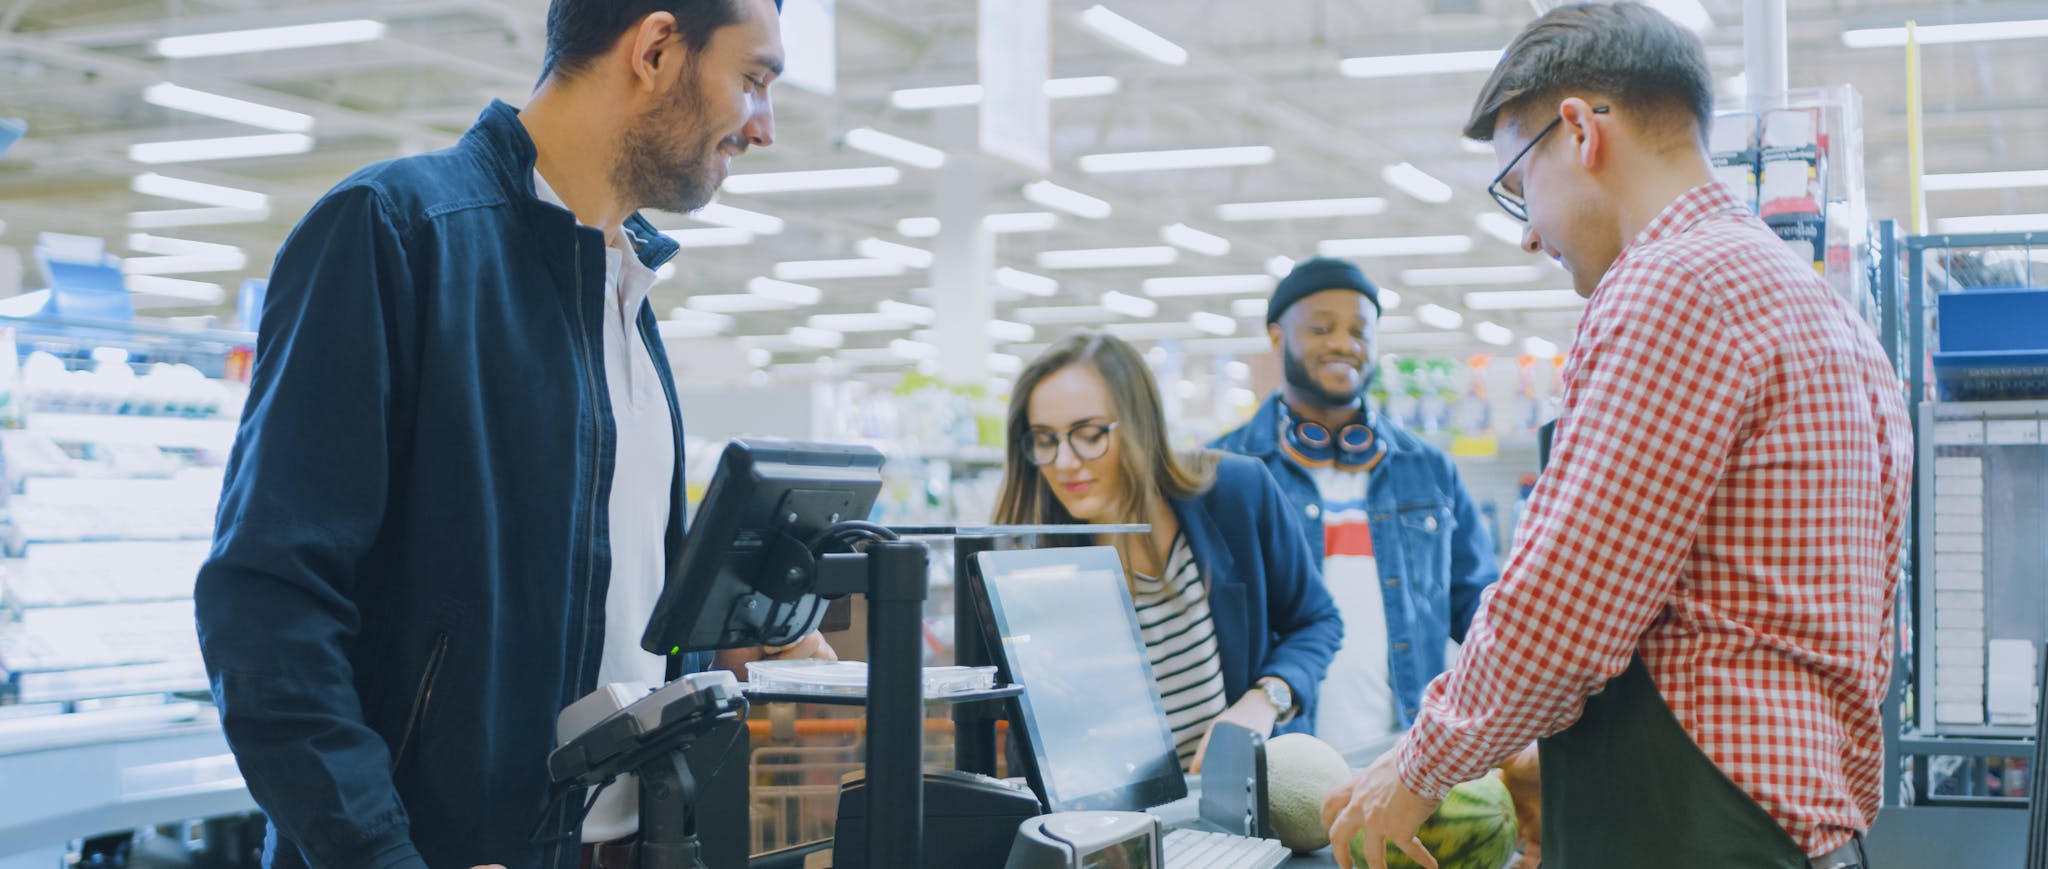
[[1587, 129], [1276, 335], [654, 50]]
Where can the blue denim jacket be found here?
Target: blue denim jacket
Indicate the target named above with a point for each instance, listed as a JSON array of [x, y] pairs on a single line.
[[1434, 551], [412, 550]]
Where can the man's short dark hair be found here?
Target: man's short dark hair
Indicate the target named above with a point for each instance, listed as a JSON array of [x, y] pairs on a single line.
[[1626, 52], [580, 31]]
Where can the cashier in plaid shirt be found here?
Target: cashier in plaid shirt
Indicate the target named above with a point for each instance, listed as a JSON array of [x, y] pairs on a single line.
[[1693, 618]]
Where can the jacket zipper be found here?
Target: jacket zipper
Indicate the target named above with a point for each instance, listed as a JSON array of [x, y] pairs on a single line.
[[590, 535], [421, 696]]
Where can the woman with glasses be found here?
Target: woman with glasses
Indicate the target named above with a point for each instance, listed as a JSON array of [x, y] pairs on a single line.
[[1229, 596]]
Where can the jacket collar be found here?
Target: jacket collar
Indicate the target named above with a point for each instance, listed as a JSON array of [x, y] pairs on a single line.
[[501, 140]]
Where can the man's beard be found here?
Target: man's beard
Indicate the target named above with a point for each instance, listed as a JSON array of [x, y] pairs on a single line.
[[655, 171], [1297, 374]]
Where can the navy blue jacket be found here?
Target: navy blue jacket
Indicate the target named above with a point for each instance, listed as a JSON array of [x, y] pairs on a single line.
[[1273, 616], [1434, 551], [409, 570]]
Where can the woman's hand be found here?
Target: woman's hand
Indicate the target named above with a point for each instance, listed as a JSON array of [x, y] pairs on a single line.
[[1252, 711]]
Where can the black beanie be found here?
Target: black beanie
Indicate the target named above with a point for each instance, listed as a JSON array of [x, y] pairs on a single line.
[[1312, 276]]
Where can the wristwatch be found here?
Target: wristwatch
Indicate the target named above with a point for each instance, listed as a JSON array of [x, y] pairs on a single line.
[[1281, 696]]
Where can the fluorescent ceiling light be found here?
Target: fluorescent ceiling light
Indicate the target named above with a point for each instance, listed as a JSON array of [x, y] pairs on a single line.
[[857, 323], [712, 236], [1129, 305], [949, 96], [1500, 226], [1005, 363], [185, 264], [1212, 324], [1539, 348], [686, 323], [1279, 266], [152, 184], [1440, 316], [735, 303], [1301, 208], [1010, 331], [1494, 333], [269, 38], [759, 357], [1108, 257], [1062, 315], [1688, 13], [1474, 146], [1505, 300], [822, 339], [1243, 346], [1993, 223], [1072, 202], [815, 179], [214, 105], [755, 222], [1153, 331], [1080, 86], [1026, 282], [1389, 66], [821, 269], [145, 243], [1190, 239], [199, 292], [176, 217], [895, 148], [1248, 308], [908, 313], [1020, 221], [1985, 180], [889, 251], [904, 348], [1389, 299], [1411, 245], [1188, 158], [1133, 36], [1015, 221], [229, 148], [936, 97], [783, 291], [1208, 285], [918, 227], [1408, 179], [1477, 275], [1936, 34]]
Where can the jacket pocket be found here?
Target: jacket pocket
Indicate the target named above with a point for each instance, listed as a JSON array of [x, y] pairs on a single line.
[[422, 696], [1426, 541]]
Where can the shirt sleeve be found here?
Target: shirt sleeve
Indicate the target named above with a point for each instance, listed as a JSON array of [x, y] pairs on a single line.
[[1653, 398]]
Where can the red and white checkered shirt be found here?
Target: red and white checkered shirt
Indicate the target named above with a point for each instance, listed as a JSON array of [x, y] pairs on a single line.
[[1726, 496]]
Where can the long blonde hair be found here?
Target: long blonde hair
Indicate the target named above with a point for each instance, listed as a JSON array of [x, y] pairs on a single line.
[[1152, 475]]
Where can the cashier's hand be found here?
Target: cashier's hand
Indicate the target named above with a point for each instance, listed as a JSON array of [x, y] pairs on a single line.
[[1523, 776], [1376, 804], [813, 645], [1252, 711]]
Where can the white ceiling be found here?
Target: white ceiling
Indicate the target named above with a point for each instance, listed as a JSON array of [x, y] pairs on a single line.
[[1259, 74]]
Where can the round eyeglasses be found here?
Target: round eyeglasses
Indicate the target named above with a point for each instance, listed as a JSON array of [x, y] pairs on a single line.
[[1088, 441]]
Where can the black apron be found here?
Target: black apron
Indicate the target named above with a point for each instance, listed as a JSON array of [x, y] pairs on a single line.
[[1626, 788]]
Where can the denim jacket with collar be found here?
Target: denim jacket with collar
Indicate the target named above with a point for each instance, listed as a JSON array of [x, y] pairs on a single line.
[[1433, 548]]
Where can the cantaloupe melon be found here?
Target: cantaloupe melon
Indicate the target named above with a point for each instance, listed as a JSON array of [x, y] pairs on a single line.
[[1473, 829], [1300, 771]]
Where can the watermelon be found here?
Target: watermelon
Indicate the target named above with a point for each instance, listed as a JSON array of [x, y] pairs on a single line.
[[1473, 829]]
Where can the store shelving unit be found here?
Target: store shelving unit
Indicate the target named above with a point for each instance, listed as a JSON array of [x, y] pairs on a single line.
[[1961, 718]]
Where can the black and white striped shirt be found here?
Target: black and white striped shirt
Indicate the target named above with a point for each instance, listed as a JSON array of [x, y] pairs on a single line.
[[1180, 638]]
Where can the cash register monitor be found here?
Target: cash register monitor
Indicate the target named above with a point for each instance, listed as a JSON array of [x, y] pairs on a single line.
[[731, 586], [1094, 729]]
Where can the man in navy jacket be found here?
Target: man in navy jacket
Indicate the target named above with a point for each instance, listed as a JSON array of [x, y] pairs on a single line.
[[1406, 552], [462, 448]]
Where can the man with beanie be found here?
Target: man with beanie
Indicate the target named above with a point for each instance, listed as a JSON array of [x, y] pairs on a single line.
[[1405, 550]]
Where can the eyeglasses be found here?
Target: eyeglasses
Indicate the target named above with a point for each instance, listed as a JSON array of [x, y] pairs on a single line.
[[1509, 202], [1088, 440]]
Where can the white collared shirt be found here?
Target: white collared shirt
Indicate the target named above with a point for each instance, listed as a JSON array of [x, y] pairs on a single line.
[[642, 479]]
